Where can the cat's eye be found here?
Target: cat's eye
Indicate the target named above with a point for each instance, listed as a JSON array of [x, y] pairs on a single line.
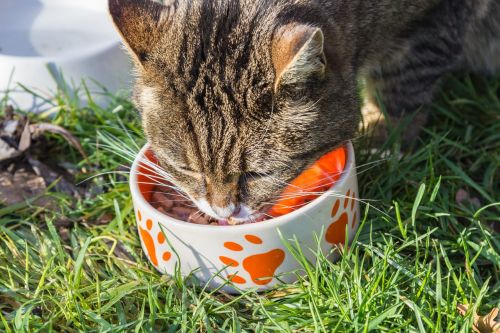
[[254, 175], [185, 169], [188, 171]]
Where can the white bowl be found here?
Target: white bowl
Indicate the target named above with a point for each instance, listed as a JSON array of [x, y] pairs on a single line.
[[260, 258], [75, 39]]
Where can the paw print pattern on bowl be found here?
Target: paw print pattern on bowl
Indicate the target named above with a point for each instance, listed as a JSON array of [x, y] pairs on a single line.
[[335, 234], [148, 240], [260, 267]]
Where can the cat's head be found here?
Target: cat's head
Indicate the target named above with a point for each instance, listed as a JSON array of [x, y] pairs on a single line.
[[237, 97]]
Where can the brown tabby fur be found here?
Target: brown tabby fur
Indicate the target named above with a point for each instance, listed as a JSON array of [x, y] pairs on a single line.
[[238, 96]]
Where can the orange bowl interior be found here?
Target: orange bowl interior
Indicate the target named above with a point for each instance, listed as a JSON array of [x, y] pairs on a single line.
[[146, 176], [311, 183]]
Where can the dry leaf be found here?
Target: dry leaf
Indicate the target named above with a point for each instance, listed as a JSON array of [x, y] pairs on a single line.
[[6, 151], [25, 141], [483, 324], [39, 129], [17, 135]]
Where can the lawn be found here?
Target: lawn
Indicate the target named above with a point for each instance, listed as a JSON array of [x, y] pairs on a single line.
[[426, 243]]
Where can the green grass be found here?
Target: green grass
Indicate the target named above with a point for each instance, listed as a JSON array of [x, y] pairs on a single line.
[[418, 253]]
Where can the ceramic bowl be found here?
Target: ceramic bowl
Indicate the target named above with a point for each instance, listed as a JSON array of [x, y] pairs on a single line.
[[240, 257], [44, 41]]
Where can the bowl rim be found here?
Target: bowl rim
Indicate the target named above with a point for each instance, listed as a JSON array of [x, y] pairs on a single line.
[[86, 53], [349, 171]]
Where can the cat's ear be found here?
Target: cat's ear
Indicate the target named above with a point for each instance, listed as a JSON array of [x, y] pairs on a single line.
[[138, 22], [298, 54]]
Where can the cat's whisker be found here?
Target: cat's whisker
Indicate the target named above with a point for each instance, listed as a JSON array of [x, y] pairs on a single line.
[[275, 181], [124, 129], [271, 179], [154, 177], [101, 174], [372, 164], [153, 167], [163, 176], [161, 192], [364, 201], [333, 194], [178, 191], [267, 215], [197, 214], [158, 176], [288, 206], [367, 169], [340, 196], [155, 184], [116, 145]]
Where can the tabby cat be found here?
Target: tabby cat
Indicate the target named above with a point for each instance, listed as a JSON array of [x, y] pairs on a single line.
[[237, 97]]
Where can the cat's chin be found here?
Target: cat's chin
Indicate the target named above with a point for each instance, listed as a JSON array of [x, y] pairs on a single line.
[[258, 217], [246, 215]]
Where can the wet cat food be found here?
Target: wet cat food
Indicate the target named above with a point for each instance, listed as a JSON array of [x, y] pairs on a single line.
[[169, 202]]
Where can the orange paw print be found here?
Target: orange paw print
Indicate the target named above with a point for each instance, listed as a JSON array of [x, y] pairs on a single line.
[[149, 241], [335, 234], [260, 267]]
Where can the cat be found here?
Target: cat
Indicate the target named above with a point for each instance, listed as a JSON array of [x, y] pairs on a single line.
[[237, 97]]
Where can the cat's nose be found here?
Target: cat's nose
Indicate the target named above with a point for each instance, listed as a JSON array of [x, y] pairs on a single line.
[[227, 211], [223, 197]]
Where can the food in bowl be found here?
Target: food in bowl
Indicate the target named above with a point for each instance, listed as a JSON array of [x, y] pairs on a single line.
[[167, 200], [308, 186], [247, 256]]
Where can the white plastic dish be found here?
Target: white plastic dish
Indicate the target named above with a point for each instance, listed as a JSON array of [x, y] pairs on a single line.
[[75, 39], [244, 256]]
